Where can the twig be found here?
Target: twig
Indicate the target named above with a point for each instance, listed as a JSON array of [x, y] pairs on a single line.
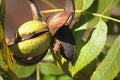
[[49, 3], [37, 72], [82, 11]]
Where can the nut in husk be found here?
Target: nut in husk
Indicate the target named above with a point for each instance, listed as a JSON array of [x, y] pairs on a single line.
[[59, 25], [57, 20], [60, 29], [32, 39]]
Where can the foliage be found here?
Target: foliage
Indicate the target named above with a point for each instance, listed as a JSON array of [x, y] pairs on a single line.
[[97, 47]]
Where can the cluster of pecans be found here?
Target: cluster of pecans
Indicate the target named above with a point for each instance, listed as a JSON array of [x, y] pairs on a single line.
[[33, 38]]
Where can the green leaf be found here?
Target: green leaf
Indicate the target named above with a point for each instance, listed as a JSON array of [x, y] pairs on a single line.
[[4, 75], [50, 69], [1, 37], [78, 6], [1, 78], [2, 12], [48, 56], [49, 77], [2, 17], [2, 64], [23, 71], [1, 34], [87, 4], [108, 5], [64, 77], [57, 77], [92, 49], [82, 5], [86, 72], [8, 61], [110, 66]]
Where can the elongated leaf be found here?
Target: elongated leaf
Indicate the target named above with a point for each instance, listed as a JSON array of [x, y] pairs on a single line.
[[109, 4], [50, 69], [8, 62], [64, 77], [82, 5], [4, 75], [110, 66], [1, 37], [78, 6], [106, 5], [59, 77], [23, 71], [1, 78], [4, 52], [87, 4], [48, 77], [2, 63], [94, 46], [2, 12]]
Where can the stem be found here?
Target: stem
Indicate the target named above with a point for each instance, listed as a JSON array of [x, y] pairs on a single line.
[[49, 3], [106, 17], [82, 11], [37, 72], [100, 15], [51, 11]]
